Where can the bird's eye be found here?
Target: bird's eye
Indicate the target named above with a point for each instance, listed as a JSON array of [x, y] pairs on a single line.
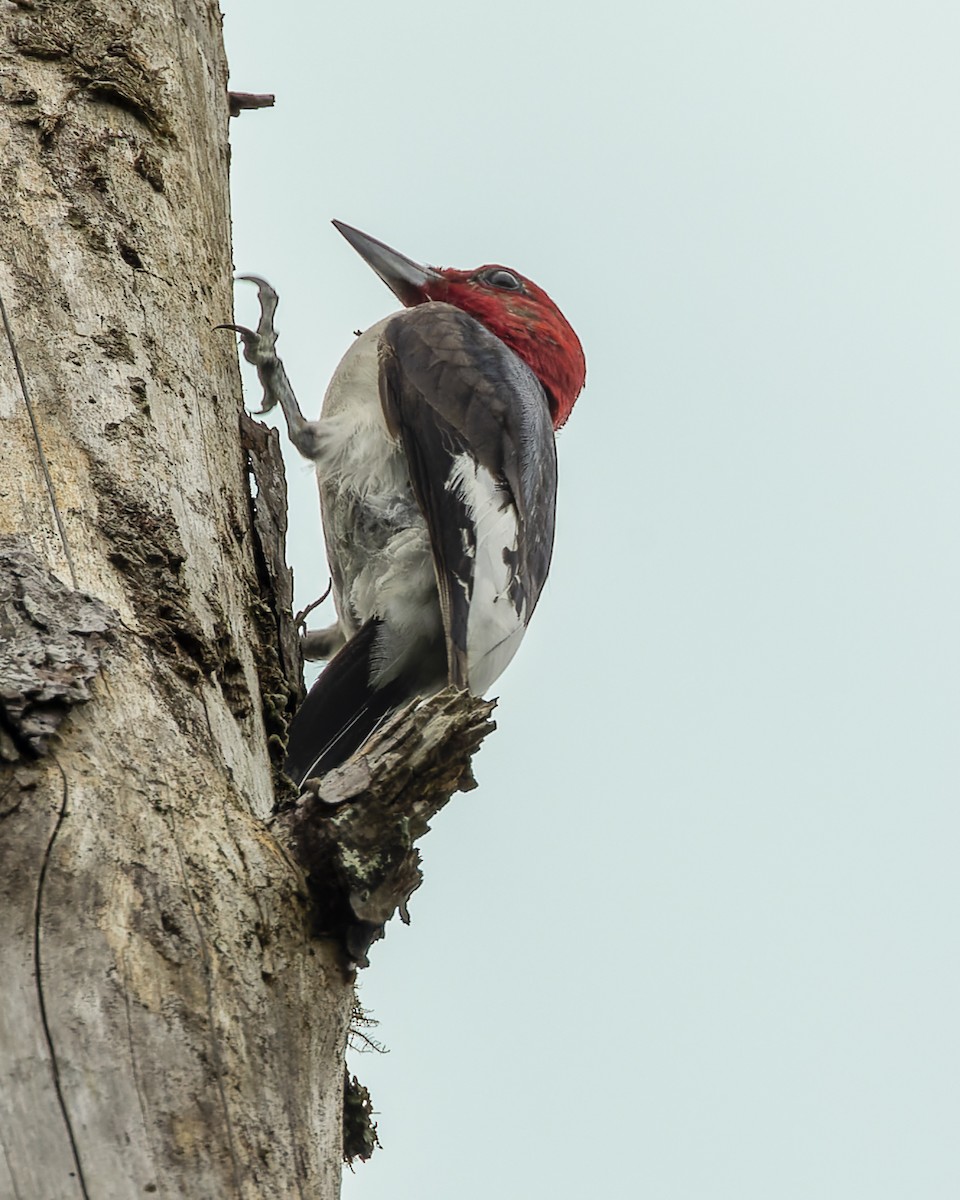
[[500, 278]]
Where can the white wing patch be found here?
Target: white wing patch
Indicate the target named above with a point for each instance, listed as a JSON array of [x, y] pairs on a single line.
[[494, 627]]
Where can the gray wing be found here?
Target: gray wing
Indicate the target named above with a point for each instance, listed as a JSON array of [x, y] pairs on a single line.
[[475, 426]]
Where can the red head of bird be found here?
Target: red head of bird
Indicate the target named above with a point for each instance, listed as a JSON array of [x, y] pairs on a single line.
[[511, 306]]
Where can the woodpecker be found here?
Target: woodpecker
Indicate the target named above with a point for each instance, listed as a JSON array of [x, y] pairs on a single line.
[[437, 469]]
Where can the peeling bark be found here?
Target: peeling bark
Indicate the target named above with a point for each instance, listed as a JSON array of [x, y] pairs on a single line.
[[281, 668], [50, 643], [354, 830]]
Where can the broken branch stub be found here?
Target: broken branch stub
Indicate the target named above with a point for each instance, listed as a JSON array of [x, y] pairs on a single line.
[[353, 830], [242, 101]]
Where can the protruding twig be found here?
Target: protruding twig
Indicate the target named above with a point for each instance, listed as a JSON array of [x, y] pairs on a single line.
[[241, 100]]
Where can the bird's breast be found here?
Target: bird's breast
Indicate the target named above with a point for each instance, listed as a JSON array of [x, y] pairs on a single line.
[[358, 450], [378, 548]]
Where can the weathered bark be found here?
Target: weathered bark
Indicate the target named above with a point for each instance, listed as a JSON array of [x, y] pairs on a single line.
[[168, 1022], [354, 830]]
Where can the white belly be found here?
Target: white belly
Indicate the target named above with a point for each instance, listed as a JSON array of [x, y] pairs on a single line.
[[378, 547]]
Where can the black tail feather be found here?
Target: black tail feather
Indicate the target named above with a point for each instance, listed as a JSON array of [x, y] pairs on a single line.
[[341, 709]]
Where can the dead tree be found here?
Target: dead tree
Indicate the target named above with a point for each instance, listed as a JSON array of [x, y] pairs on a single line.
[[177, 952]]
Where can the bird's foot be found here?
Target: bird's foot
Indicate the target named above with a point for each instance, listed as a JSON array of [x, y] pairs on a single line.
[[259, 348], [319, 645], [300, 619], [259, 345]]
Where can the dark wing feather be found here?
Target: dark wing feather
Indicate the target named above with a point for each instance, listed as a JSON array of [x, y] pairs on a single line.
[[450, 389], [341, 709]]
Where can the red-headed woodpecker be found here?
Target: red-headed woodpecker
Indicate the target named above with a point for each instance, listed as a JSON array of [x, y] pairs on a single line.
[[437, 469]]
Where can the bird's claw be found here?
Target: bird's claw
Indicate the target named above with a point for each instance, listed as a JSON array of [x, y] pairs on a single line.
[[268, 305], [259, 345], [259, 348], [300, 620], [247, 336]]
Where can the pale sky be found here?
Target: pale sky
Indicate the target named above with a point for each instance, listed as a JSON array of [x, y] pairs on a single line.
[[695, 936]]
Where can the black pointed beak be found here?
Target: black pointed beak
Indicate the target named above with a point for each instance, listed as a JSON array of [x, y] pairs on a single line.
[[409, 281]]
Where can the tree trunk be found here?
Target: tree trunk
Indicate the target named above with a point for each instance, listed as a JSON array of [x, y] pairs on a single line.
[[168, 1024]]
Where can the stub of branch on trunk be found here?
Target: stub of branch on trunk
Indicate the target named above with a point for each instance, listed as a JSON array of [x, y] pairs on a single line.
[[353, 830], [242, 101], [51, 640]]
